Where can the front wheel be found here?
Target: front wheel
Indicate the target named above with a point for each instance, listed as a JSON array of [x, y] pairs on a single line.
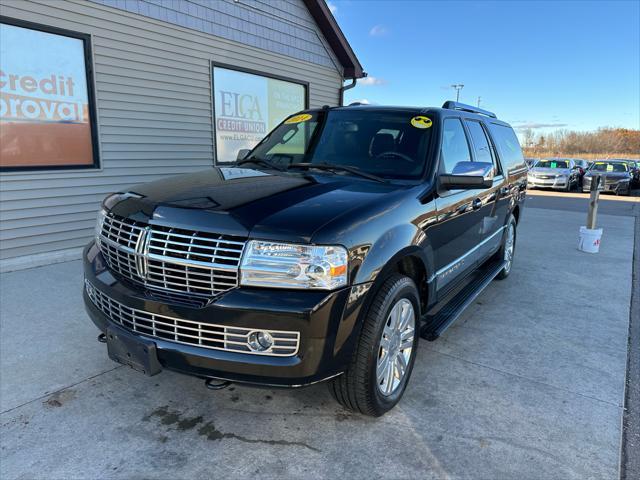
[[508, 248], [383, 359]]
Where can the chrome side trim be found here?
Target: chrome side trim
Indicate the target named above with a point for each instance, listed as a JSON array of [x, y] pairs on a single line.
[[452, 266]]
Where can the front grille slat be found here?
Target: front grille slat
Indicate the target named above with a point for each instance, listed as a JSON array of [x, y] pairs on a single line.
[[192, 263], [189, 332]]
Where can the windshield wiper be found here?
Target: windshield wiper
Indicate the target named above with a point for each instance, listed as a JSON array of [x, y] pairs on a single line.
[[260, 161], [345, 168]]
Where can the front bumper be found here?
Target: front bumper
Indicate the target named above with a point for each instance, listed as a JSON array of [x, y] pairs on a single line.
[[555, 182], [618, 187], [326, 322]]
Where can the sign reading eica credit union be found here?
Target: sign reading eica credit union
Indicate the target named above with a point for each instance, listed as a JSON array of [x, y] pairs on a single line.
[[249, 106]]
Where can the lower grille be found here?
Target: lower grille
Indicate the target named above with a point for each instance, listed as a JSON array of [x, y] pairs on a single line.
[[188, 332]]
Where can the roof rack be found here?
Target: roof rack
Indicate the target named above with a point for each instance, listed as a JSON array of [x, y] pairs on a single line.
[[451, 105]]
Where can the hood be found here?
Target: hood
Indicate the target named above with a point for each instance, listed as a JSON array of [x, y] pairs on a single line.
[[551, 171], [247, 202]]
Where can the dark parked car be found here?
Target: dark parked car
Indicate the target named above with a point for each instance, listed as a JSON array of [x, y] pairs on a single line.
[[582, 166], [324, 254], [616, 176], [634, 168], [556, 173]]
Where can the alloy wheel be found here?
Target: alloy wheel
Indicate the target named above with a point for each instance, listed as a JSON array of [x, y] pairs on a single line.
[[396, 345], [509, 245]]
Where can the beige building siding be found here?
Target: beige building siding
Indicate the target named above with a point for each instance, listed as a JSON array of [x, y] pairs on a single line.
[[154, 110]]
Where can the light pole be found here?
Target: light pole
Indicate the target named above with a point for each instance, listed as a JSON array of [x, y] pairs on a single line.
[[479, 99], [458, 87]]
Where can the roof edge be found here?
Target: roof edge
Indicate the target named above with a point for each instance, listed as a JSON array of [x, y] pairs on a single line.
[[336, 39]]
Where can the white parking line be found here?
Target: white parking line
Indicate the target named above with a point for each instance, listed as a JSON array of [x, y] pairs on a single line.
[[547, 193]]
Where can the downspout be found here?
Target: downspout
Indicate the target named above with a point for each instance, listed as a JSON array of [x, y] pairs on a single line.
[[344, 88]]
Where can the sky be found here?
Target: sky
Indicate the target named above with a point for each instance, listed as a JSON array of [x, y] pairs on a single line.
[[543, 65]]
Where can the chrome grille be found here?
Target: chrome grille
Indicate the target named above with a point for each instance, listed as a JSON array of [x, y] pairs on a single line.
[[170, 259], [188, 332]]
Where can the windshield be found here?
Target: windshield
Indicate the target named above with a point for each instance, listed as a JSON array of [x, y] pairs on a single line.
[[552, 164], [609, 167], [389, 144]]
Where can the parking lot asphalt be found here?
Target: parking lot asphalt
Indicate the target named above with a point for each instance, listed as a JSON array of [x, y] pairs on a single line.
[[529, 383]]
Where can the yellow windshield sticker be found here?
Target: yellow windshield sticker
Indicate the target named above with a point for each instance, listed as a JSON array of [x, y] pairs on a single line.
[[421, 122], [609, 167], [303, 117]]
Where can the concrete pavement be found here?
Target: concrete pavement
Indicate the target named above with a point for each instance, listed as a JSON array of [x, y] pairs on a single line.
[[528, 383]]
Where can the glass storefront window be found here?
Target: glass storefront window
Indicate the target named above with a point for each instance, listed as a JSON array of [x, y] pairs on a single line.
[[248, 106], [45, 99]]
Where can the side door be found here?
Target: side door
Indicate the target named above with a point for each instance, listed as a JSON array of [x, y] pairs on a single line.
[[495, 200], [456, 232]]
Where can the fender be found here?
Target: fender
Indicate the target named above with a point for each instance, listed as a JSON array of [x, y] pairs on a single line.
[[394, 245], [382, 257]]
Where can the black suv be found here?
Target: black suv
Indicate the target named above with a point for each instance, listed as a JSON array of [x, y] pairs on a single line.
[[322, 254]]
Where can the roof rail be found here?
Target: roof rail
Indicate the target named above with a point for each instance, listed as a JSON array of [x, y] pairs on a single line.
[[451, 105]]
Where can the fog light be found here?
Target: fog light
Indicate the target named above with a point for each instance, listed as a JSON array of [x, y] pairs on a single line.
[[260, 341]]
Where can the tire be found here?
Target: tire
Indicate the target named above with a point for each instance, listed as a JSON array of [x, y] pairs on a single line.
[[358, 388], [504, 248], [567, 187]]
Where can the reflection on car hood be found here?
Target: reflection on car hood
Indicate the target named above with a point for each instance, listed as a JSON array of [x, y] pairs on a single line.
[[550, 171], [243, 201]]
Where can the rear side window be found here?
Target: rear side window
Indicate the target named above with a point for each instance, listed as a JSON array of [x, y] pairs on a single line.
[[482, 145], [508, 147], [480, 142], [455, 147]]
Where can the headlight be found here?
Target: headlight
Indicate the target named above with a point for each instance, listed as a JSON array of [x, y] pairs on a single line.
[[284, 265], [102, 214]]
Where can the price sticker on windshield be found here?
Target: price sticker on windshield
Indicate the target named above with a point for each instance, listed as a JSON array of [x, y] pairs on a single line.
[[609, 167], [303, 117], [421, 122]]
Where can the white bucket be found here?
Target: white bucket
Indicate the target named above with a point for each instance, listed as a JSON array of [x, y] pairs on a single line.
[[589, 240]]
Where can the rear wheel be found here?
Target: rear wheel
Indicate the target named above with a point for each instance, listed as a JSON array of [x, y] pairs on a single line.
[[382, 362], [508, 248]]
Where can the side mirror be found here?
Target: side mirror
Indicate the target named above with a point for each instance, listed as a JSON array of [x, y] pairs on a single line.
[[468, 175], [242, 154]]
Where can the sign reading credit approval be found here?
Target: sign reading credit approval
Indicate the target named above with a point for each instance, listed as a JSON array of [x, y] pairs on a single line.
[[248, 106], [44, 111]]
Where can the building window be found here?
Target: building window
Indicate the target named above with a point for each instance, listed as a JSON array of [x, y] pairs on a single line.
[[249, 105], [46, 99]]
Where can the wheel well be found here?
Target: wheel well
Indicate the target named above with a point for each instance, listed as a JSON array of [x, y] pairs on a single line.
[[413, 268], [516, 213]]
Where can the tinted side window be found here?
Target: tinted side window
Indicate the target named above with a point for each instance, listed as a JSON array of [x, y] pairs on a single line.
[[508, 147], [480, 142], [455, 147]]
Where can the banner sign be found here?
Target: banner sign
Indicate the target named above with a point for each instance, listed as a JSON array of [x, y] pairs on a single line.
[[249, 106], [44, 102]]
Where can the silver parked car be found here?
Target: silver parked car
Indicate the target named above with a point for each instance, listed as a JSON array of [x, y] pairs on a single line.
[[556, 173]]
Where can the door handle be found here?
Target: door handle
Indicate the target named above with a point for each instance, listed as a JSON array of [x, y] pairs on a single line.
[[476, 204]]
